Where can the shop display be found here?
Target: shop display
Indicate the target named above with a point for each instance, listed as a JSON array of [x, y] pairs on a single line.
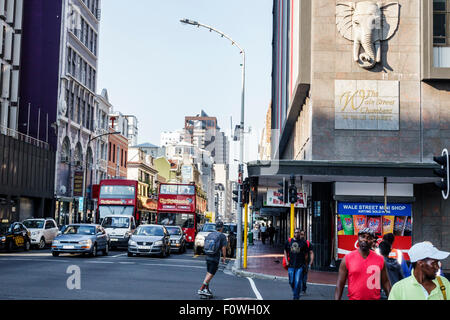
[[359, 223], [374, 223], [347, 224], [399, 226], [354, 216], [340, 229], [388, 224]]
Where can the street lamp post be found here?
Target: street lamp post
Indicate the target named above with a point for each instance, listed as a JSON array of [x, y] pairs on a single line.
[[241, 137], [85, 171]]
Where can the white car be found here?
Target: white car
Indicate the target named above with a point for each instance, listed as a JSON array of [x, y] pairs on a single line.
[[199, 242], [43, 231]]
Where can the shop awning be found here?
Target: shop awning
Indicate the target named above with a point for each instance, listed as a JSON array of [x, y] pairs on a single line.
[[270, 172]]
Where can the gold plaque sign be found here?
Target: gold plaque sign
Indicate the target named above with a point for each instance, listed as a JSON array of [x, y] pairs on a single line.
[[366, 105]]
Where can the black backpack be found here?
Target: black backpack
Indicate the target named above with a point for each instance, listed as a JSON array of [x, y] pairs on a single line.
[[212, 243]]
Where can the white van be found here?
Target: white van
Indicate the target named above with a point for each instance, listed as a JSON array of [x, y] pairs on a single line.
[[119, 228]]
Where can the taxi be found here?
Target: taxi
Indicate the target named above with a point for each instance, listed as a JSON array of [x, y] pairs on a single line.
[[14, 236]]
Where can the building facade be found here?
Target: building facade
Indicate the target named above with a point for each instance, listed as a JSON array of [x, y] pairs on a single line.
[[359, 107]]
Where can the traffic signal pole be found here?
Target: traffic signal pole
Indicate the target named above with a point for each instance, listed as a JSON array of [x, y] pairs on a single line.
[[245, 235], [292, 219]]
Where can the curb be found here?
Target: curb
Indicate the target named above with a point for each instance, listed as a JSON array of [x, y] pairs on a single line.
[[242, 273]]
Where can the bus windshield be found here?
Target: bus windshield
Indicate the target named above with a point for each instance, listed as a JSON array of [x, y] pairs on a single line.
[[177, 189], [117, 192], [115, 210], [183, 220]]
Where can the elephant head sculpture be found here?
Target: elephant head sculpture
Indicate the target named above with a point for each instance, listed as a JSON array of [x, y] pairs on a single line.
[[367, 23]]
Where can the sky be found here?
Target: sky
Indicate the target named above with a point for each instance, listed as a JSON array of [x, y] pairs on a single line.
[[160, 70]]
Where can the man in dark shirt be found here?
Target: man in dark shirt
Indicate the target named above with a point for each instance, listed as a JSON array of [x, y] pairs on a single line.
[[213, 260], [296, 253]]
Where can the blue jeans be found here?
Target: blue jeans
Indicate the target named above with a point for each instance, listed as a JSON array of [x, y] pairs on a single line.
[[296, 280]]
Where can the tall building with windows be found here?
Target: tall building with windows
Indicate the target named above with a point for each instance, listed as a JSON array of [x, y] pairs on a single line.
[[357, 116], [62, 47], [27, 160]]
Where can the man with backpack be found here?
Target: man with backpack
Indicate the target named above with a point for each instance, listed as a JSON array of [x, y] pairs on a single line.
[[215, 244]]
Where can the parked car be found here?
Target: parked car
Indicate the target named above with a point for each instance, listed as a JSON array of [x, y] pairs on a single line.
[[199, 242], [81, 238], [119, 228], [43, 231], [14, 236], [149, 239], [230, 230], [177, 239]]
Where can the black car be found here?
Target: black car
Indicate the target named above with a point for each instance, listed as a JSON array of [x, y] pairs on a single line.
[[230, 230], [14, 236]]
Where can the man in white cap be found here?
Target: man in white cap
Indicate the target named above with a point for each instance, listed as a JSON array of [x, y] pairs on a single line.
[[423, 284]]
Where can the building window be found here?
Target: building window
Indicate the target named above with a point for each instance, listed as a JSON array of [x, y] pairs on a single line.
[[109, 151], [114, 153], [440, 17], [126, 159]]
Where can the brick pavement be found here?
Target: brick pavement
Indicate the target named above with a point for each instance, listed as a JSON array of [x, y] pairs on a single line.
[[267, 260]]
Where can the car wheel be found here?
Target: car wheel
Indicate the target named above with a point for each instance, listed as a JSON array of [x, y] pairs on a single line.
[[130, 254], [55, 254], [42, 243], [10, 247], [168, 251], [94, 251], [27, 245]]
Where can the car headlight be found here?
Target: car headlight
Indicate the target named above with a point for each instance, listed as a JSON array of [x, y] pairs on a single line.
[[3, 239], [132, 243], [158, 243], [178, 241], [55, 242], [127, 234], [200, 238], [86, 242]]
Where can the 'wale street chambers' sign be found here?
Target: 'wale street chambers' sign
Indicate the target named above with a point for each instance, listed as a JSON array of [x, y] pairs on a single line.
[[366, 105]]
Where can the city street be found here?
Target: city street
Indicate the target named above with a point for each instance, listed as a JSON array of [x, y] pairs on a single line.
[[38, 275]]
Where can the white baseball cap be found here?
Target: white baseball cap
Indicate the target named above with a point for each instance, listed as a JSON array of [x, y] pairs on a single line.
[[423, 250]]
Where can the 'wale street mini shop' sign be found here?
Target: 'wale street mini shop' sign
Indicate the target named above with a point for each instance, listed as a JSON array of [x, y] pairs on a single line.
[[392, 209], [366, 105]]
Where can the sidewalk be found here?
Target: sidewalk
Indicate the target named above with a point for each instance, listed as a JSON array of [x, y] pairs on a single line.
[[266, 262]]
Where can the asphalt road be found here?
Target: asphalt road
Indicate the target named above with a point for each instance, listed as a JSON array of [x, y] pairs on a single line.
[[38, 275]]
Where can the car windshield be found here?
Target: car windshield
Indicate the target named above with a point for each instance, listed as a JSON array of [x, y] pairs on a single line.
[[34, 224], [116, 222], [90, 230], [174, 231], [149, 231], [209, 227], [228, 228]]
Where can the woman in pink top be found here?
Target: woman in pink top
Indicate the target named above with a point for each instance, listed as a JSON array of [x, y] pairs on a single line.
[[365, 271]]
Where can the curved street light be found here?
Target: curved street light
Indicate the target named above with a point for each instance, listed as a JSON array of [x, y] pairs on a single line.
[[241, 134], [84, 209]]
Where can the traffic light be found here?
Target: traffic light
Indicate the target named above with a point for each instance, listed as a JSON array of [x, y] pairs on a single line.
[[293, 191], [443, 173], [246, 191], [236, 194], [283, 190]]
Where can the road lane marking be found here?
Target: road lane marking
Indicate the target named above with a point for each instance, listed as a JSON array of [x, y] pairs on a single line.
[[255, 290], [171, 265], [118, 255], [100, 262]]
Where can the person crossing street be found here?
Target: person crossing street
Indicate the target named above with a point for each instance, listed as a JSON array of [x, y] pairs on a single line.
[[217, 246], [296, 253]]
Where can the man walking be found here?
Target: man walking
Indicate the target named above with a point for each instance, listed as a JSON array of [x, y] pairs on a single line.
[[423, 284], [271, 232], [363, 268], [309, 260], [215, 244], [295, 253]]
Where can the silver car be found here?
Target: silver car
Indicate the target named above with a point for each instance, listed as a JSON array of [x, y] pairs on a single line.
[[177, 239], [149, 239], [81, 238]]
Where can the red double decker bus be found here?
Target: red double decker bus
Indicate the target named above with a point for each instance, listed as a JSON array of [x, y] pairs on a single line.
[[117, 197], [181, 205]]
